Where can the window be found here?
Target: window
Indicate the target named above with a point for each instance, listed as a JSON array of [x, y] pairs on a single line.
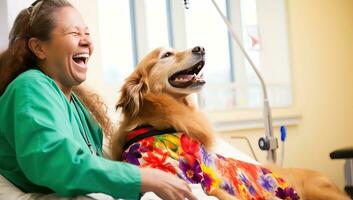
[[156, 26], [252, 93], [199, 33], [115, 39], [8, 13], [214, 37], [230, 81]]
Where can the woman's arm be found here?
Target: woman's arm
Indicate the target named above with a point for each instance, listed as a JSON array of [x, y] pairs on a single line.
[[50, 156], [48, 152]]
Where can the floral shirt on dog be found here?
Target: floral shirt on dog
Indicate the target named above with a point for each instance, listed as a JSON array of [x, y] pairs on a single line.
[[185, 157]]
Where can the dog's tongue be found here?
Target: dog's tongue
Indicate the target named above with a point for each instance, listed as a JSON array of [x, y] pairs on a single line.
[[185, 77]]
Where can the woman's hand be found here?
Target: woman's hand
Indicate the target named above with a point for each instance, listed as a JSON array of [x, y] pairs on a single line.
[[165, 185]]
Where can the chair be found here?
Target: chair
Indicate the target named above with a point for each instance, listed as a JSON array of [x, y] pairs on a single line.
[[347, 154]]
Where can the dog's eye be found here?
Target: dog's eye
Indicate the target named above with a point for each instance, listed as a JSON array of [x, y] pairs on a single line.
[[166, 55]]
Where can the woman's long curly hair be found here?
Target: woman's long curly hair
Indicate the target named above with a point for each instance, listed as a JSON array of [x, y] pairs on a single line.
[[38, 21]]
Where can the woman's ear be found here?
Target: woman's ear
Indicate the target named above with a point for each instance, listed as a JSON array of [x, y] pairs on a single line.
[[132, 95], [37, 48]]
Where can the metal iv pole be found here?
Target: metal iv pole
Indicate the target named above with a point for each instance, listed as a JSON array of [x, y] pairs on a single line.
[[269, 142]]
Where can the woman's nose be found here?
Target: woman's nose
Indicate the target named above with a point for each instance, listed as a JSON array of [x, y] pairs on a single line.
[[85, 40]]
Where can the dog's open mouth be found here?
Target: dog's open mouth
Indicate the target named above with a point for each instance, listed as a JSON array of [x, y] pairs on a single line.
[[191, 77]]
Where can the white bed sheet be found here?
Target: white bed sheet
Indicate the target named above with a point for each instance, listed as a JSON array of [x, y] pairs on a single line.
[[225, 149]]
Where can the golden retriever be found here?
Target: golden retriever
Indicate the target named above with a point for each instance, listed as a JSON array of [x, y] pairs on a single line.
[[157, 94]]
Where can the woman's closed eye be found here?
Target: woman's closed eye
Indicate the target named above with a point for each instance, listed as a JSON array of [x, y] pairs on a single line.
[[74, 33]]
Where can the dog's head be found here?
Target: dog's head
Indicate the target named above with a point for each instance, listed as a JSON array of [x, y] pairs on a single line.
[[176, 73]]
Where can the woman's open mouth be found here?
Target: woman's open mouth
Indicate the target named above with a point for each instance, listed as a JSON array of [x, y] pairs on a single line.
[[81, 59], [191, 77]]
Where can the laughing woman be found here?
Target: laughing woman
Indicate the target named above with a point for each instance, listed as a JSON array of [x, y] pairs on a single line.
[[51, 136]]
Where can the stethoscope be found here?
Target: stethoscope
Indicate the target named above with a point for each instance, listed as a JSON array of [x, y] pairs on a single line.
[[84, 133]]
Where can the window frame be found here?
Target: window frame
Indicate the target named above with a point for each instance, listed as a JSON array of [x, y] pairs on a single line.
[[177, 39]]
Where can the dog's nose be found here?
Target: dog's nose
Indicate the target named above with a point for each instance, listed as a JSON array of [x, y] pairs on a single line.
[[198, 50]]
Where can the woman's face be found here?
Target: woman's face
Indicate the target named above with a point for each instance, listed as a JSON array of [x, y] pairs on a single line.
[[69, 48]]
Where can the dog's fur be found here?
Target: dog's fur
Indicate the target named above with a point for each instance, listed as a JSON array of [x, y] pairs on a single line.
[[147, 97]]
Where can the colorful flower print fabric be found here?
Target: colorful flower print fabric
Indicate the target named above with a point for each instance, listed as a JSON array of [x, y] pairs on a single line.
[[185, 157]]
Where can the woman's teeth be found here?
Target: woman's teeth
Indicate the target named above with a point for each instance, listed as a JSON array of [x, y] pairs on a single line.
[[81, 55], [81, 59]]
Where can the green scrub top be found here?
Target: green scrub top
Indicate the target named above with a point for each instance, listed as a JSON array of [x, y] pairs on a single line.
[[43, 147]]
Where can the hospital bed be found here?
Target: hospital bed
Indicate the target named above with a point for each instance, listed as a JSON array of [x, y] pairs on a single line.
[[9, 192]]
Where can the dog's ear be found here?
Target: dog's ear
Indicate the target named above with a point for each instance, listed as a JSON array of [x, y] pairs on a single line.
[[132, 95]]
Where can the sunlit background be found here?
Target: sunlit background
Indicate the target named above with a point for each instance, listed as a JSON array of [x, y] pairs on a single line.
[[145, 25], [302, 47]]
